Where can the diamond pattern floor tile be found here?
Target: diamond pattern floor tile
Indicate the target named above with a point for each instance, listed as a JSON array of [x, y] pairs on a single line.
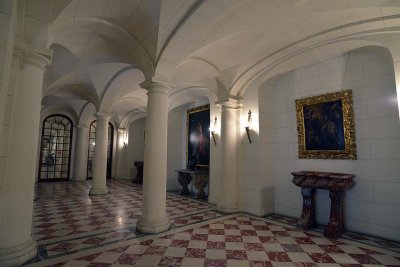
[[214, 244], [75, 230]]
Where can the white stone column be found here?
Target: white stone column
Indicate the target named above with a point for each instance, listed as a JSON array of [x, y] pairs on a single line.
[[120, 154], [99, 185], [229, 197], [17, 188], [154, 218], [81, 153]]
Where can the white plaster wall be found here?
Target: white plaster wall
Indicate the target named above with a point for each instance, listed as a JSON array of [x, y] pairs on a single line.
[[37, 20], [176, 157], [373, 205], [135, 145]]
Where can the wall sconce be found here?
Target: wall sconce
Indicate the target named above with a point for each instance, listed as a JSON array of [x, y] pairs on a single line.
[[249, 120], [125, 141], [213, 130]]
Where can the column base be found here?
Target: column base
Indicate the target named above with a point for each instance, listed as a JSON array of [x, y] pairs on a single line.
[[79, 179], [228, 209], [18, 255], [152, 226], [98, 191]]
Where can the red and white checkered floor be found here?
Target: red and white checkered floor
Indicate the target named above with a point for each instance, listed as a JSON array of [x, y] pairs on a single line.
[[199, 236]]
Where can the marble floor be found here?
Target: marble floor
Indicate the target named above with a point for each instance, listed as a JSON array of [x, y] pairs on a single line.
[[74, 230]]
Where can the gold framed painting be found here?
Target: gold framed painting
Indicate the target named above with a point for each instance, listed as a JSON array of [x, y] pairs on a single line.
[[325, 126]]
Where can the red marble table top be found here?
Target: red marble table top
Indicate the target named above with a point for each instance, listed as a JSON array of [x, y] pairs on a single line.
[[324, 180]]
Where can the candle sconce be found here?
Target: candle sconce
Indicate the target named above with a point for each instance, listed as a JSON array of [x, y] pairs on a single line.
[[213, 130], [125, 141], [247, 128]]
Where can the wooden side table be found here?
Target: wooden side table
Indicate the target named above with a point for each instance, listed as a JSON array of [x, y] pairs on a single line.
[[336, 183]]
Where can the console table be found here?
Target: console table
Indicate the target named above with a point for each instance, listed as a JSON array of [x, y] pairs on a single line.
[[336, 183], [139, 177], [199, 178]]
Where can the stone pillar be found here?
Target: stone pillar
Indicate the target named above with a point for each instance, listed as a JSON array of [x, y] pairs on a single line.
[[154, 218], [17, 188], [99, 185], [81, 153], [120, 154], [229, 197]]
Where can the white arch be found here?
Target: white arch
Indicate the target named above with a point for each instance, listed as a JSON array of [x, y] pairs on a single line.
[[314, 43], [190, 94]]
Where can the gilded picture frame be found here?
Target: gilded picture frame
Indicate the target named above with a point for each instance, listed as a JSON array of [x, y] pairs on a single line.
[[325, 126], [198, 137]]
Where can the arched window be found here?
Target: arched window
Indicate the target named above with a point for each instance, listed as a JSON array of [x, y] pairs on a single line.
[[55, 149], [92, 137]]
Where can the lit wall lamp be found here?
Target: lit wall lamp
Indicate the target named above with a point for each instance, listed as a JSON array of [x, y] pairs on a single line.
[[213, 130], [125, 141], [249, 120]]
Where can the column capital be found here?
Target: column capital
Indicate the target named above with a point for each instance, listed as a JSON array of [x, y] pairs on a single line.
[[121, 130], [102, 116], [39, 57], [82, 126], [154, 85], [230, 103]]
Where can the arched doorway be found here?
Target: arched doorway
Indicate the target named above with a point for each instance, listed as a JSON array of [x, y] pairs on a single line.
[[55, 150], [92, 137]]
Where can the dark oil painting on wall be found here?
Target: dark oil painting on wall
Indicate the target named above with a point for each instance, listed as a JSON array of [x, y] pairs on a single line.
[[325, 126], [198, 137]]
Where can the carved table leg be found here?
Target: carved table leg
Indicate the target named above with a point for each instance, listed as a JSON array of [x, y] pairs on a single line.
[[200, 182], [307, 219], [335, 225], [139, 177], [184, 180]]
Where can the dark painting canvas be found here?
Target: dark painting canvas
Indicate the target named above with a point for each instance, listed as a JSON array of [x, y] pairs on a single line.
[[198, 136], [323, 124]]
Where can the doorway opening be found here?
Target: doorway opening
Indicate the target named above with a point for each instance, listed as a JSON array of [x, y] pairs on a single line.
[[55, 149]]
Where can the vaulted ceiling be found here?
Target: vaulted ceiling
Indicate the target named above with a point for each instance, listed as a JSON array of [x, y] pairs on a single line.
[[104, 49]]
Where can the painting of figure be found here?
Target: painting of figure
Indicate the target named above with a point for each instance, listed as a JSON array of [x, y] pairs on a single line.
[[325, 126], [198, 136]]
